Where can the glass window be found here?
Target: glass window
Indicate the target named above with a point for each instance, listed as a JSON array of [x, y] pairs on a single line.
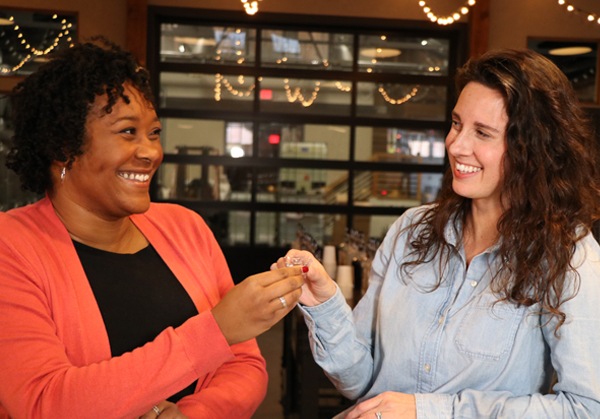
[[304, 96], [204, 182], [375, 226], [300, 49], [344, 96], [238, 228], [304, 141], [207, 44], [302, 185], [400, 145], [395, 189], [402, 101], [206, 91], [406, 55], [280, 229], [221, 138]]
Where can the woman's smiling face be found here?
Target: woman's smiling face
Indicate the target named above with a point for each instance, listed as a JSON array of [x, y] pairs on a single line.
[[476, 143], [121, 153]]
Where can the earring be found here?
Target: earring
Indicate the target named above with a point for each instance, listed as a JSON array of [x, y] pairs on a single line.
[[63, 174]]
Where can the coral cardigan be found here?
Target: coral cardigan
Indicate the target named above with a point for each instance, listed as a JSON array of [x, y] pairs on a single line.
[[55, 359]]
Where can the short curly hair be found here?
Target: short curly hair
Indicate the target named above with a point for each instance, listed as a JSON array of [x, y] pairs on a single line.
[[50, 106]]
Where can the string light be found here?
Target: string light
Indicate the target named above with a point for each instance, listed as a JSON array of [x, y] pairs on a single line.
[[297, 95], [34, 52], [591, 17], [400, 101], [446, 20], [341, 87], [221, 81], [250, 7]]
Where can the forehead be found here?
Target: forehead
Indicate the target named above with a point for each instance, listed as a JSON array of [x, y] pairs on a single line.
[[481, 102], [137, 103]]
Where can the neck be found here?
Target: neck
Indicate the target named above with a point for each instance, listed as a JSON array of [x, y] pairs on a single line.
[[481, 228], [118, 235]]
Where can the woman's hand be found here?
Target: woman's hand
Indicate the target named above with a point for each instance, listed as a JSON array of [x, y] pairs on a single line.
[[318, 287], [167, 410], [390, 404], [256, 304]]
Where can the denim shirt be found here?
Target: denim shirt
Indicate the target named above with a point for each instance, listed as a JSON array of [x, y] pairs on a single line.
[[457, 352]]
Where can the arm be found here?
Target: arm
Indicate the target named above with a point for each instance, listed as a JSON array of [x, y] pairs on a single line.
[[54, 357], [239, 385], [43, 372], [341, 339]]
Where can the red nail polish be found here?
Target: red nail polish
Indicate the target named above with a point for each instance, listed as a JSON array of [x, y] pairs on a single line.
[[304, 269]]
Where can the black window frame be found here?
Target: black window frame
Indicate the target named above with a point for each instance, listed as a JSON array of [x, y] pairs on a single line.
[[457, 34]]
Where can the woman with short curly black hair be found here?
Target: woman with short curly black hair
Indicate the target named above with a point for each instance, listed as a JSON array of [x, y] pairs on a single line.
[[112, 306], [476, 300]]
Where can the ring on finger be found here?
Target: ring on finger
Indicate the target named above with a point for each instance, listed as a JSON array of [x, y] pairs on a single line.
[[378, 415], [156, 410], [283, 302]]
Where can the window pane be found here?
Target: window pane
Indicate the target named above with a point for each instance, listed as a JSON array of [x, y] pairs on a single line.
[[281, 229], [400, 145], [405, 55], [388, 100], [300, 49], [207, 44], [206, 91], [238, 228], [302, 185], [304, 96], [308, 141], [395, 189], [191, 136], [204, 182], [375, 226]]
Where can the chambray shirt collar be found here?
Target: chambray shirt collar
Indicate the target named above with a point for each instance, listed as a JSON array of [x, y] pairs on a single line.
[[453, 233]]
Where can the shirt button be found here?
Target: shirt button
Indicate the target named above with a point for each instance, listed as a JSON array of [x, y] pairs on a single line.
[[427, 367], [473, 284], [440, 320]]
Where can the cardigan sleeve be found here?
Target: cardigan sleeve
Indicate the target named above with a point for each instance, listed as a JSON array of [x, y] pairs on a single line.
[[238, 386]]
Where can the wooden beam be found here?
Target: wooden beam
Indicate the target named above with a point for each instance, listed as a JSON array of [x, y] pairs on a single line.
[[479, 28], [137, 21]]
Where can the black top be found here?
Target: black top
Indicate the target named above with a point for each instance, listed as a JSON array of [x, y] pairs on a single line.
[[138, 297]]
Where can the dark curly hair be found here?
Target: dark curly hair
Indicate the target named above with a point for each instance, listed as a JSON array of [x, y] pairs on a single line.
[[550, 182], [50, 107]]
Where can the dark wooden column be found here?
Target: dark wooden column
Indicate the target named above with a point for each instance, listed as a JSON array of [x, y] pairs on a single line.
[[479, 28], [137, 21]]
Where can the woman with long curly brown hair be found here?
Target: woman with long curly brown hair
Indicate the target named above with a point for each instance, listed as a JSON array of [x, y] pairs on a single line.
[[476, 300]]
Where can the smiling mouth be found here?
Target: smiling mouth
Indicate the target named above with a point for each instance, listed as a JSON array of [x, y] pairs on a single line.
[[463, 168], [136, 177]]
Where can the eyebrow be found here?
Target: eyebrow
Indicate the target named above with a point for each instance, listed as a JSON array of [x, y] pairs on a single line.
[[130, 118], [479, 124]]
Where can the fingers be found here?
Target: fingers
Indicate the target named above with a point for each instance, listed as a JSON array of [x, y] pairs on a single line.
[[364, 408], [290, 299], [271, 277]]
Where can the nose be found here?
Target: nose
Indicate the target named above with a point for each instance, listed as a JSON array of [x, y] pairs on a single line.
[[458, 143], [150, 149]]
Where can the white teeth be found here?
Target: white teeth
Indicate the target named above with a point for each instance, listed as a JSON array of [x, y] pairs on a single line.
[[467, 169], [137, 177]]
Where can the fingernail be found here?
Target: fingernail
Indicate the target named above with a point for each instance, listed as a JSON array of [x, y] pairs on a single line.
[[304, 269]]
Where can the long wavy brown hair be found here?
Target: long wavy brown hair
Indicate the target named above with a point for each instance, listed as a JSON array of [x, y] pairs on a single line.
[[550, 185]]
